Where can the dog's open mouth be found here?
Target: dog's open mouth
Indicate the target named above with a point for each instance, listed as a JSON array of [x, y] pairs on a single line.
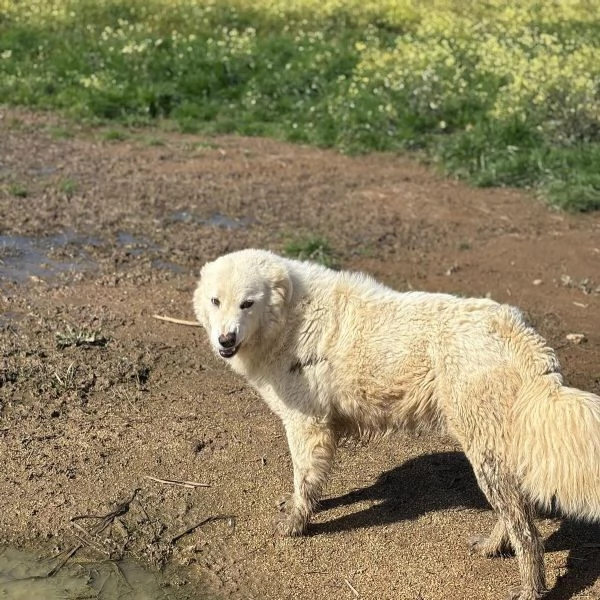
[[229, 352]]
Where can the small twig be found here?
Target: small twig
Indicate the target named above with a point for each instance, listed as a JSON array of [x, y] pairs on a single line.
[[86, 540], [63, 562], [352, 588], [178, 321], [191, 529], [105, 521], [52, 571], [186, 484]]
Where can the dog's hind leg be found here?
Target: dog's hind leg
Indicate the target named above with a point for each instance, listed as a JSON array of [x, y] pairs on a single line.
[[496, 544], [312, 447], [503, 493]]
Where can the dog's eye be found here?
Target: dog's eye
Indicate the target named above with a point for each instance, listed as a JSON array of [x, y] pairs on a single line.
[[215, 302], [246, 304]]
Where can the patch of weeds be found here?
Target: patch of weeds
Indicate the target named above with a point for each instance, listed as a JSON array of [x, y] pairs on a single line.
[[60, 133], [367, 251], [18, 190], [8, 375], [154, 141], [312, 248], [586, 285], [201, 146], [85, 338], [15, 123], [67, 187], [509, 101], [65, 381], [127, 372], [464, 246], [114, 135], [141, 375], [577, 194], [210, 146]]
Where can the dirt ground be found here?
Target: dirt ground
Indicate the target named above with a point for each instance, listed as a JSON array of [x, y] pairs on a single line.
[[97, 236]]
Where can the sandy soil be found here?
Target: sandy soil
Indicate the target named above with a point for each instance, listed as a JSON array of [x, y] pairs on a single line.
[[96, 394]]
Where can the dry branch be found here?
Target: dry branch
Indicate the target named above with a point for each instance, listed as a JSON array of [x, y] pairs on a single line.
[[352, 588], [186, 484], [178, 321], [228, 518]]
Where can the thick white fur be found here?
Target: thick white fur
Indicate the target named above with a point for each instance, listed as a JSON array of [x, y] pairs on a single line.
[[336, 354]]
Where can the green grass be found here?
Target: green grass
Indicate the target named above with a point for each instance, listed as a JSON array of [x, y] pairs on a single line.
[[311, 248], [18, 190], [496, 93], [61, 132], [153, 141], [114, 135], [67, 187]]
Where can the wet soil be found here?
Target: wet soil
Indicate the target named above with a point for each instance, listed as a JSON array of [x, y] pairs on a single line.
[[97, 397]]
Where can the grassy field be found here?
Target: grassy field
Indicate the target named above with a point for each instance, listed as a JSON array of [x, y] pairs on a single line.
[[500, 93]]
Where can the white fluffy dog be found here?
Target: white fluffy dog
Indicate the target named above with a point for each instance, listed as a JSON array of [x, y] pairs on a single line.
[[336, 354]]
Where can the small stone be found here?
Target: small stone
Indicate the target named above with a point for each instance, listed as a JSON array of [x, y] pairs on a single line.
[[576, 338], [537, 282]]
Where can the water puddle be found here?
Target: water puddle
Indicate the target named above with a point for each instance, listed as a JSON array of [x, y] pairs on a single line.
[[45, 170], [216, 219], [24, 576], [167, 265], [136, 246], [22, 257]]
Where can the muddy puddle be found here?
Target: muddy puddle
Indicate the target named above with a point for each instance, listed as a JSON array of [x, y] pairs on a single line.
[[24, 576], [70, 253], [22, 257], [215, 220]]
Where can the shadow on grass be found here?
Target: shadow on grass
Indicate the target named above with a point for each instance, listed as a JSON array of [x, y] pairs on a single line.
[[444, 481]]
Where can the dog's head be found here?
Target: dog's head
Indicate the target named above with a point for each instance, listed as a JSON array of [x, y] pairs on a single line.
[[241, 299]]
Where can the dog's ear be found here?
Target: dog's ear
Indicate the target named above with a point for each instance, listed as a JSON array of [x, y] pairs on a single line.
[[283, 287]]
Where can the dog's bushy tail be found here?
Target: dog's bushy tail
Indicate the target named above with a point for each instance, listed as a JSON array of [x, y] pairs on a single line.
[[556, 447]]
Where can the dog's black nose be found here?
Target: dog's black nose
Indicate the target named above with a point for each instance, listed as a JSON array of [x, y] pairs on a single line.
[[228, 340]]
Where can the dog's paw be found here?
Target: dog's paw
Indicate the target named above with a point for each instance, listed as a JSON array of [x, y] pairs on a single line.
[[291, 521], [482, 545], [520, 593], [290, 525]]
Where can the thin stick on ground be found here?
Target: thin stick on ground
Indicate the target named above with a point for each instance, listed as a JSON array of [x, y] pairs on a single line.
[[229, 518], [177, 321], [105, 521], [352, 588], [182, 483], [63, 562]]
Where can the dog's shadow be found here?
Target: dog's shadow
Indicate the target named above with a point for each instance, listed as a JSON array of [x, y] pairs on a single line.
[[445, 480]]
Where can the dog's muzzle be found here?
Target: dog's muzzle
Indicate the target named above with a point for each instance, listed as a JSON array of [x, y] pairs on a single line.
[[229, 352], [228, 346]]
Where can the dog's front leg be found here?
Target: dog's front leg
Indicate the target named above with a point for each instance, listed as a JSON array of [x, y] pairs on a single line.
[[312, 446]]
